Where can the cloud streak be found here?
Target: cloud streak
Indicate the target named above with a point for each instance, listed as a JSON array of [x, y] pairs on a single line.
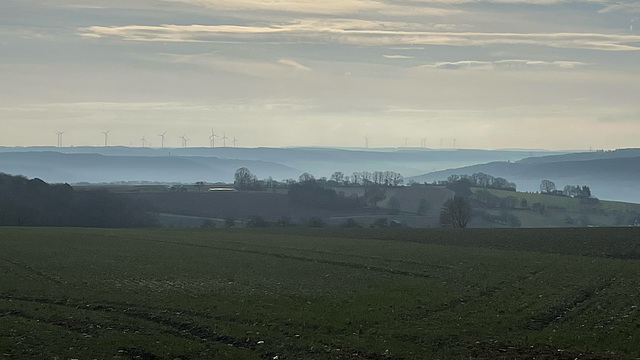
[[504, 65], [357, 32]]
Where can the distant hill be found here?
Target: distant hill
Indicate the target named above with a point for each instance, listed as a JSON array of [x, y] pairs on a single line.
[[611, 175], [117, 163], [33, 202], [73, 168]]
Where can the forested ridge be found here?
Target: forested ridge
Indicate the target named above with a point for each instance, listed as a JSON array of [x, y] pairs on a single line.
[[33, 202]]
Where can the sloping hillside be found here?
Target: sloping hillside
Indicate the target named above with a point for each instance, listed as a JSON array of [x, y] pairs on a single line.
[[614, 178]]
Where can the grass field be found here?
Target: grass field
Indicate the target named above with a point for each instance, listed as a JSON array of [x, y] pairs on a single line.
[[319, 293]]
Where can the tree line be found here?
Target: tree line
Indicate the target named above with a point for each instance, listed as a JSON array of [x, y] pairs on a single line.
[[577, 191], [244, 179], [483, 180], [25, 202]]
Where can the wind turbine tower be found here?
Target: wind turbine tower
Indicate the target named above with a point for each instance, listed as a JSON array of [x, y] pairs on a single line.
[[106, 137], [162, 136], [224, 139], [144, 141], [184, 140], [454, 143], [234, 141], [366, 142], [59, 133], [212, 139]]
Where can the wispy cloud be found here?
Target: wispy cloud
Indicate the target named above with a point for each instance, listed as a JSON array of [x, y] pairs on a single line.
[[325, 7], [398, 57], [359, 32], [504, 65], [294, 64]]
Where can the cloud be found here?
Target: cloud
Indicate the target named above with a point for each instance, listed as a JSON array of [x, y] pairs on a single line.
[[358, 32], [633, 7], [294, 64], [325, 7], [504, 65], [398, 57]]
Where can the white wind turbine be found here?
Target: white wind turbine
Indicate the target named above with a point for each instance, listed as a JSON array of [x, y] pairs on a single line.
[[162, 136], [144, 141], [224, 139], [59, 133], [106, 136], [234, 141], [212, 139], [184, 140], [366, 141]]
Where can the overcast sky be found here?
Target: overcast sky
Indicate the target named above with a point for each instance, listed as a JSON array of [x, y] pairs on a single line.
[[555, 74]]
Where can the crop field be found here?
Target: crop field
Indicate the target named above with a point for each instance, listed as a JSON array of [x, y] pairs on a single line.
[[319, 293]]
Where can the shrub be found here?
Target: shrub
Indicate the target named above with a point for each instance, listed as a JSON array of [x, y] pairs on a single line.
[[350, 223]]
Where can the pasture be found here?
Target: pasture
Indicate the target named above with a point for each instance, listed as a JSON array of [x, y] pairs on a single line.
[[319, 293]]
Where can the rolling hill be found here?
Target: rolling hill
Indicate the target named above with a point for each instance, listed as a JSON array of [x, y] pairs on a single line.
[[611, 175]]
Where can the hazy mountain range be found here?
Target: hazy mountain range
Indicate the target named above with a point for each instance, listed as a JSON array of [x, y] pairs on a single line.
[[611, 175], [100, 164]]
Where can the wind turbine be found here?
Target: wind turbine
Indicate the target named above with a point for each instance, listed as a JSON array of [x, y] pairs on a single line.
[[224, 139], [59, 133], [184, 140], [366, 141], [424, 142], [234, 141], [454, 143], [405, 141], [162, 136], [144, 141], [106, 136], [212, 139]]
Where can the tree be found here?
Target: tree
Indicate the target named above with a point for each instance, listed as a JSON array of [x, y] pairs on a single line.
[[570, 190], [306, 177], [456, 212], [338, 177], [424, 207], [461, 188], [245, 180], [547, 186], [229, 222], [584, 192], [373, 194]]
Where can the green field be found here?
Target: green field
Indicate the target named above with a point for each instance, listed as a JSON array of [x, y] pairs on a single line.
[[319, 293]]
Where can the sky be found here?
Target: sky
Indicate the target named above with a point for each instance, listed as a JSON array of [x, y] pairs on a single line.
[[487, 74]]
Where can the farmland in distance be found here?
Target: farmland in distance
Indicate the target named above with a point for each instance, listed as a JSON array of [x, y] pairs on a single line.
[[319, 293]]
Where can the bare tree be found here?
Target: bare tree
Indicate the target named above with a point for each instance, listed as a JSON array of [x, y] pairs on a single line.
[[456, 212], [244, 179], [547, 186]]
